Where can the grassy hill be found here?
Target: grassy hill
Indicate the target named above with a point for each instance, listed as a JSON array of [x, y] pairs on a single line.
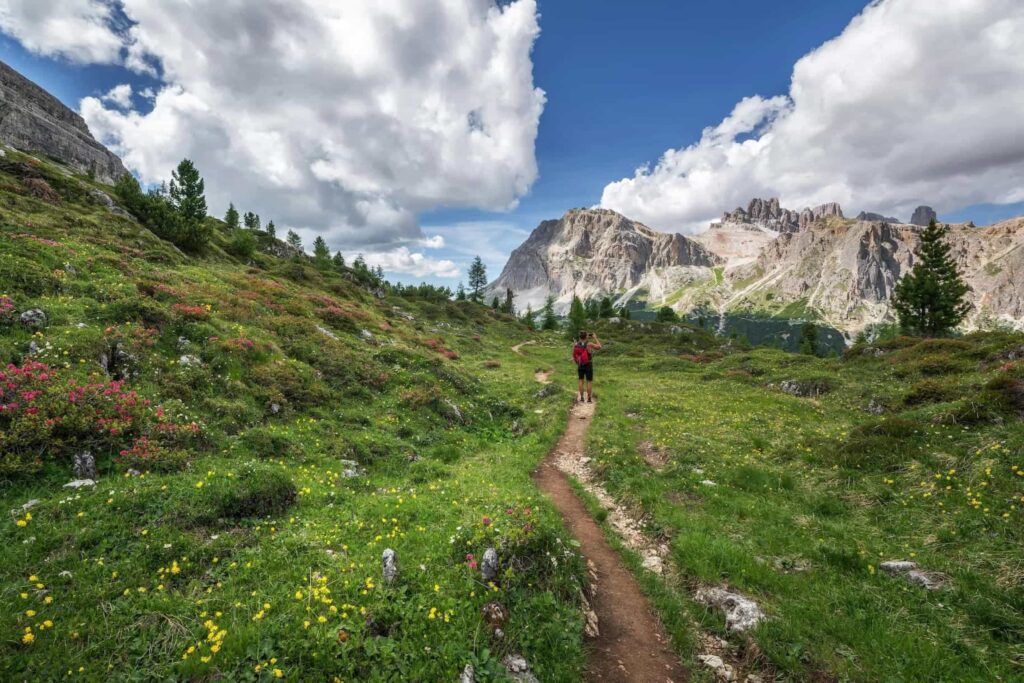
[[265, 428]]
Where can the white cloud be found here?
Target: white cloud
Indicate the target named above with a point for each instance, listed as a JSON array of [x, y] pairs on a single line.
[[402, 260], [433, 242], [347, 119], [80, 31], [916, 102], [492, 241], [120, 96]]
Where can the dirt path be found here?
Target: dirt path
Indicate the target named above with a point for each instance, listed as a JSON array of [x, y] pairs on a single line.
[[543, 376], [518, 347], [631, 646]]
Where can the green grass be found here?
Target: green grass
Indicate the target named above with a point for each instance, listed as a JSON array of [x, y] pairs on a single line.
[[824, 486]]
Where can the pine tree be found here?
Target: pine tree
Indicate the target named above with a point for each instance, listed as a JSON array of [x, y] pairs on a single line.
[[809, 339], [271, 229], [931, 298], [251, 220], [528, 317], [593, 308], [577, 317], [607, 310], [624, 313], [231, 217], [321, 252], [339, 260], [187, 192], [477, 279], [495, 302], [549, 321], [294, 241], [509, 306], [667, 315], [460, 293]]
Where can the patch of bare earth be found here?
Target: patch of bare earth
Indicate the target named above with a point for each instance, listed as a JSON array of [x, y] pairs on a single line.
[[518, 348], [543, 376], [657, 458]]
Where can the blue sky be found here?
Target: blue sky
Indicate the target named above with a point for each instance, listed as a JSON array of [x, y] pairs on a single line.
[[624, 83]]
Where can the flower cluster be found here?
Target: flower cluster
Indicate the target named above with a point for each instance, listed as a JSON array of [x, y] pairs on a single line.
[[6, 309], [437, 346], [190, 312]]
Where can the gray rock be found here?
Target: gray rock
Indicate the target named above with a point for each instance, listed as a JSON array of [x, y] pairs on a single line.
[[923, 215], [275, 408], [519, 669], [35, 121], [389, 566], [708, 482], [117, 363], [183, 343], [909, 571], [675, 329], [547, 390], [366, 334], [132, 472], [741, 613], [875, 407], [808, 216], [79, 483], [897, 567], [723, 671], [452, 412], [189, 360], [327, 333], [876, 218], [70, 269], [33, 348], [34, 317], [26, 507], [351, 469], [489, 565], [805, 388], [84, 466], [468, 675], [105, 199], [615, 320]]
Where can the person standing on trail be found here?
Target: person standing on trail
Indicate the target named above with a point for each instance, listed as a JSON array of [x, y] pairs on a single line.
[[583, 356]]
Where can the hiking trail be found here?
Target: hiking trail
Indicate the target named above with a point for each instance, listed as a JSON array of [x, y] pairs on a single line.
[[518, 347], [630, 645]]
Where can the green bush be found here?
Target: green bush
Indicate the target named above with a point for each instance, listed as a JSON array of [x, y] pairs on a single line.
[[266, 442], [931, 391], [880, 445], [256, 490]]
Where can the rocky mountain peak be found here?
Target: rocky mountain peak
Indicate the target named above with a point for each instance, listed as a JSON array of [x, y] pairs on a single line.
[[767, 214], [876, 218], [34, 121], [923, 215]]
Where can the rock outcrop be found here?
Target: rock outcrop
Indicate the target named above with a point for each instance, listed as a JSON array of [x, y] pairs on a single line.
[[809, 216], [764, 213], [593, 252], [34, 121], [877, 217], [923, 215]]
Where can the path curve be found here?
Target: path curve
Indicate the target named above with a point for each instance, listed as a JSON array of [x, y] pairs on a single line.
[[632, 646], [518, 347]]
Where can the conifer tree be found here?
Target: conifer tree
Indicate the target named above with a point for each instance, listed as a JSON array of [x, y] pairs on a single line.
[[607, 310], [549, 321], [477, 279], [294, 241], [667, 315], [577, 317], [231, 217], [271, 229], [251, 220], [495, 303], [339, 261], [460, 293], [809, 339], [528, 317], [931, 298], [509, 305], [187, 192], [321, 252]]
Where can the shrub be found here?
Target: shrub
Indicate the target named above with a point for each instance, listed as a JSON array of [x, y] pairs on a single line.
[[6, 310], [930, 391], [146, 455], [242, 244], [880, 445], [288, 382], [265, 442], [256, 490]]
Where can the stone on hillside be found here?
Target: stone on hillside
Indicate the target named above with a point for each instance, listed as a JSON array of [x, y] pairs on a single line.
[[489, 565], [495, 616], [452, 412], [79, 483], [34, 318], [805, 388], [117, 363], [897, 567], [615, 321], [876, 217], [909, 571], [923, 215], [366, 334], [468, 675], [84, 465], [132, 472], [741, 613], [26, 507], [326, 332], [33, 348], [547, 390], [708, 482], [389, 566], [351, 469], [189, 360], [70, 269], [808, 216], [675, 329], [723, 671], [876, 407], [519, 669]]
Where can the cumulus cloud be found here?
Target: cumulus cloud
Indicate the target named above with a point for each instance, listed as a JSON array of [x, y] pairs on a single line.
[[119, 96], [916, 102], [402, 260], [81, 31], [346, 119]]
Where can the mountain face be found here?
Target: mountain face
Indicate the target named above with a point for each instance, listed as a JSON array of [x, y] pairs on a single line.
[[766, 260], [34, 121], [591, 252]]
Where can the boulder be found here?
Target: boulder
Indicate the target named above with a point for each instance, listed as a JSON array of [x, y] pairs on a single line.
[[33, 318], [189, 360], [84, 466], [351, 469], [806, 388], [741, 613], [519, 669], [117, 363], [468, 675], [389, 566], [875, 407], [723, 671], [79, 483], [489, 565], [876, 217]]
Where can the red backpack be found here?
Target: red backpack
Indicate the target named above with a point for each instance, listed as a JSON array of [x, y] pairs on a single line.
[[580, 353]]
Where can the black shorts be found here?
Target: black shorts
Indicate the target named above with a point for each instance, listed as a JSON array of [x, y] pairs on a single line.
[[585, 371]]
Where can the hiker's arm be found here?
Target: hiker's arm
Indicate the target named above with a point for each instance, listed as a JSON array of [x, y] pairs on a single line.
[[596, 343]]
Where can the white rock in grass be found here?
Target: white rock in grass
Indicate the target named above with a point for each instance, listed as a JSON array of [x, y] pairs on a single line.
[[489, 565], [468, 675], [897, 567], [519, 669], [741, 613], [389, 566], [79, 483], [723, 671], [708, 482]]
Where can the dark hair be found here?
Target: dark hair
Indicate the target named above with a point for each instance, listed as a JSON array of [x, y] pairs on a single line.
[[583, 334]]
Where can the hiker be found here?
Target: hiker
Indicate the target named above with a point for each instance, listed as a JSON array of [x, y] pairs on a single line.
[[583, 356]]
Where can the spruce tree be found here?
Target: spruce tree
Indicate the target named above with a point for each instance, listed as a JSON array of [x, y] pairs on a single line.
[[477, 279], [495, 302], [231, 217], [339, 260], [509, 306], [549, 321], [321, 252], [577, 317], [667, 315], [187, 192], [931, 298], [294, 241], [271, 229], [251, 220], [593, 309], [809, 339], [607, 310], [528, 317], [460, 293]]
